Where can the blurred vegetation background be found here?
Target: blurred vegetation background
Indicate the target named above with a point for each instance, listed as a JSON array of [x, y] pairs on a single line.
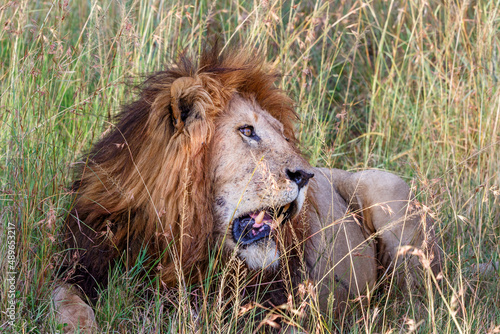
[[407, 86]]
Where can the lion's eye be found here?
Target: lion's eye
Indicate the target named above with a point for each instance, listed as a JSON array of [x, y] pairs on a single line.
[[247, 131]]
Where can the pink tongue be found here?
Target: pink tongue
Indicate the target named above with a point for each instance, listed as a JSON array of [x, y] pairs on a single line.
[[267, 219]]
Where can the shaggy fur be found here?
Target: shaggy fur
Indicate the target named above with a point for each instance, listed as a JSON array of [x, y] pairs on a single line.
[[204, 152], [146, 182]]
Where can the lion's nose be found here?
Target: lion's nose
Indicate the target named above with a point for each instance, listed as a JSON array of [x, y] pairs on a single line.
[[299, 176]]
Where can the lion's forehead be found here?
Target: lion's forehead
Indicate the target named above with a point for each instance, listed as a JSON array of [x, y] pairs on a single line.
[[247, 110]]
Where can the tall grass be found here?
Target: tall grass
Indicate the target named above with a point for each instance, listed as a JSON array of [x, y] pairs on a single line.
[[407, 86]]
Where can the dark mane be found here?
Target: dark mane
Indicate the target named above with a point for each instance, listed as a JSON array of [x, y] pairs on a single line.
[[146, 184]]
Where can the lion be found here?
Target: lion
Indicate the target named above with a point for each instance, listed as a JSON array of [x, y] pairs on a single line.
[[207, 155]]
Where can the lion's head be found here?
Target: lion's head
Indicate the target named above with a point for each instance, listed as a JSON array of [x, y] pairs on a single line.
[[259, 180], [206, 152]]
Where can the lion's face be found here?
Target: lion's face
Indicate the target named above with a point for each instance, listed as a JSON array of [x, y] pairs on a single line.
[[259, 181]]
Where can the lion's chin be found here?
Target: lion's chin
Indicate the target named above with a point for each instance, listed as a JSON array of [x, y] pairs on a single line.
[[260, 256]]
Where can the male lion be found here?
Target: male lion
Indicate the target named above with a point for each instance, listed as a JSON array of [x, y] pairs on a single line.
[[207, 155]]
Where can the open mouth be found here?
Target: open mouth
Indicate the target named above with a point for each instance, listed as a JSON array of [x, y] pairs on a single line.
[[259, 224]]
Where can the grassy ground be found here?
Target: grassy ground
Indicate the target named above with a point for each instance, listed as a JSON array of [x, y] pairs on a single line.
[[407, 86]]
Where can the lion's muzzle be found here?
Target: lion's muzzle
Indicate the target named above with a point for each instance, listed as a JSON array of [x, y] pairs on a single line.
[[259, 224]]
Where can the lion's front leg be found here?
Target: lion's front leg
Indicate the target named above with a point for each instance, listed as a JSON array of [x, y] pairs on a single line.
[[403, 230], [73, 311]]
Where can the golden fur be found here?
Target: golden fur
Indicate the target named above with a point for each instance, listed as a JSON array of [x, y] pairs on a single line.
[[146, 183], [204, 150]]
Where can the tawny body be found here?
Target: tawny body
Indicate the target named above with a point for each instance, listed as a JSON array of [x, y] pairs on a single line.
[[208, 156], [364, 222]]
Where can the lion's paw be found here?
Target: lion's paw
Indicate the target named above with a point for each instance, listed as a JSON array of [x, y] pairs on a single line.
[[73, 311]]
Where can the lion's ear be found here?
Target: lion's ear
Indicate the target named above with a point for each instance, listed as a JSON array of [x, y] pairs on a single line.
[[184, 95]]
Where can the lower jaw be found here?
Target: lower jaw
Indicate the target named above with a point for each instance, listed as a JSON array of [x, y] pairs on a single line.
[[260, 256]]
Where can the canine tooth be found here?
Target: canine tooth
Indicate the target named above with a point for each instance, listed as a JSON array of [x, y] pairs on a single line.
[[286, 207], [260, 217]]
